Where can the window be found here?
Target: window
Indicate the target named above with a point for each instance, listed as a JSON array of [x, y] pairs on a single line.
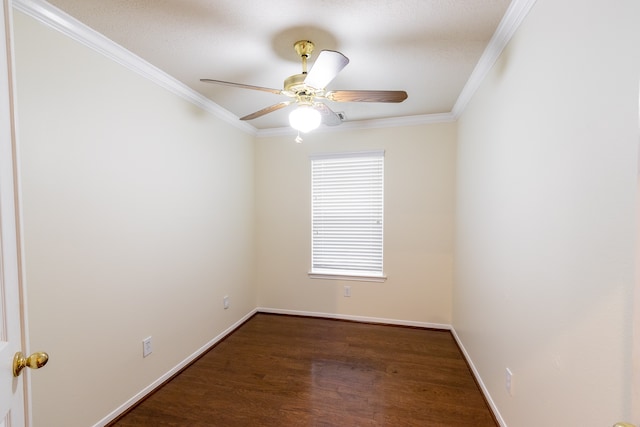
[[347, 215]]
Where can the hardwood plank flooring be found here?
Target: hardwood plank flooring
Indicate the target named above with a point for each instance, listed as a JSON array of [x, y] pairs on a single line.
[[297, 371]]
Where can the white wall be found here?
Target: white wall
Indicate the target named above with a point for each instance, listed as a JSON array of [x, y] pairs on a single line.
[[546, 216], [419, 196], [127, 204], [138, 219]]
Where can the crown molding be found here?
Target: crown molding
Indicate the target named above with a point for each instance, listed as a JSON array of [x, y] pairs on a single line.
[[76, 30], [366, 124], [513, 17]]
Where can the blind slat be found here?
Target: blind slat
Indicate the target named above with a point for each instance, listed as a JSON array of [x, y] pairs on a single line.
[[347, 213]]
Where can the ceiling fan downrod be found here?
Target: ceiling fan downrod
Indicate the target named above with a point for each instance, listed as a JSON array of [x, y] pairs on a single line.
[[303, 49], [296, 83]]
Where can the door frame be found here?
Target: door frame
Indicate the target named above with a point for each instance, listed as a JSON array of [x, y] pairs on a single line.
[[635, 309], [11, 260]]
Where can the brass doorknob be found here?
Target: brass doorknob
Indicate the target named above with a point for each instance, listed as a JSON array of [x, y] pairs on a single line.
[[623, 425], [35, 361]]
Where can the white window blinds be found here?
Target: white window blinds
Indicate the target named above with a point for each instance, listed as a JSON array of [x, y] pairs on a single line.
[[347, 213]]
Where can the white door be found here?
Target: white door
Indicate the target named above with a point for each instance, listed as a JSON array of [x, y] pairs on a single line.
[[635, 348], [12, 390]]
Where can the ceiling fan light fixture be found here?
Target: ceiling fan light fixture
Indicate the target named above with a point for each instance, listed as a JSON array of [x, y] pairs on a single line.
[[305, 118], [310, 86]]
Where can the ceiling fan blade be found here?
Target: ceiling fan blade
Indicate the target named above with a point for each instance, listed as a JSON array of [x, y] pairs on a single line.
[[243, 86], [266, 110], [329, 117], [366, 95], [325, 69]]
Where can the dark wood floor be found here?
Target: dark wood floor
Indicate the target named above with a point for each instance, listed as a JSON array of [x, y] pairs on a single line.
[[297, 371]]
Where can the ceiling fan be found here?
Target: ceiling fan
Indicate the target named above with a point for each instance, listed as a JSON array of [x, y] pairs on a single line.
[[308, 90]]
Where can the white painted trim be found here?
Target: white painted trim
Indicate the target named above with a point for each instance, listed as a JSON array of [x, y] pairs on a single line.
[[139, 396], [476, 374], [353, 278], [635, 304], [515, 14], [365, 124], [13, 324], [76, 30], [363, 319]]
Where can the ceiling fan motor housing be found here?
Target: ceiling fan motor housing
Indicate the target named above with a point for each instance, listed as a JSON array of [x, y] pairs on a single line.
[[308, 87], [296, 84]]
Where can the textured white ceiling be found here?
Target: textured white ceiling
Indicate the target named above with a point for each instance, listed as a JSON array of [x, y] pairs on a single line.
[[425, 47]]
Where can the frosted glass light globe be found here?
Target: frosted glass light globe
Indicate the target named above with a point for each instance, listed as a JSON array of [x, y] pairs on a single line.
[[305, 118]]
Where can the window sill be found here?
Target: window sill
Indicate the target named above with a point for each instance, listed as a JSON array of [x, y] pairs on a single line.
[[355, 277]]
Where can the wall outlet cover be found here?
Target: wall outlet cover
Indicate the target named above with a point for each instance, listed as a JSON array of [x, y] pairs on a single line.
[[146, 347], [509, 381]]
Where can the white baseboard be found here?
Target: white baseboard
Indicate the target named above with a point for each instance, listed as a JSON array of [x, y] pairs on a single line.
[[428, 325], [355, 318], [478, 378], [139, 396]]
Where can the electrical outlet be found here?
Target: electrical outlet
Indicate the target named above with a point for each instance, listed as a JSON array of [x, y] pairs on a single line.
[[509, 381], [146, 347], [347, 291], [225, 302]]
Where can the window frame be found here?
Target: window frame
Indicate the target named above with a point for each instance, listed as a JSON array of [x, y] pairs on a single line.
[[349, 274]]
